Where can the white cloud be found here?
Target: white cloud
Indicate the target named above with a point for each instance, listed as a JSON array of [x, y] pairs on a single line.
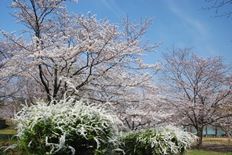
[[199, 30], [113, 6], [196, 24]]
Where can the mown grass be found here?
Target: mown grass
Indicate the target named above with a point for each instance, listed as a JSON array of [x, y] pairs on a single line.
[[202, 152], [7, 131], [217, 140], [7, 142]]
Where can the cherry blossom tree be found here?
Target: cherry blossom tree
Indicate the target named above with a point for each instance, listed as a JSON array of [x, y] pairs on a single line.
[[82, 56], [8, 86], [145, 109], [198, 89], [3, 57], [226, 123]]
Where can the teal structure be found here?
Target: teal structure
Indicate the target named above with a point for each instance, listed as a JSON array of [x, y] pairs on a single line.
[[209, 131]]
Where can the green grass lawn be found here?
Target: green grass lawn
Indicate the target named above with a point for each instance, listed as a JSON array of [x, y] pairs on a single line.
[[7, 142], [6, 137], [201, 152], [7, 131], [217, 140]]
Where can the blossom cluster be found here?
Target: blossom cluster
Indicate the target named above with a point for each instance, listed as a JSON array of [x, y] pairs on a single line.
[[64, 127]]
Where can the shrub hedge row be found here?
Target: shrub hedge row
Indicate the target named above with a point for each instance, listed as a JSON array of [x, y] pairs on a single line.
[[71, 127]]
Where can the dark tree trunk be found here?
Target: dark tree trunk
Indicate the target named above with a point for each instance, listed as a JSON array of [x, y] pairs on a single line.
[[206, 131], [200, 136], [216, 131]]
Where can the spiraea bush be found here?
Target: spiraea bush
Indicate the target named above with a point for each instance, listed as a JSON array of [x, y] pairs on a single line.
[[161, 141], [70, 127], [66, 127]]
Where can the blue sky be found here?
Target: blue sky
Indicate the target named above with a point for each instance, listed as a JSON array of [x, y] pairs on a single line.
[[176, 23]]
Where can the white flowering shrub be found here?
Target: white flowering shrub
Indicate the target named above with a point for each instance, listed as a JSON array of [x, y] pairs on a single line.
[[67, 127], [162, 141], [71, 127]]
